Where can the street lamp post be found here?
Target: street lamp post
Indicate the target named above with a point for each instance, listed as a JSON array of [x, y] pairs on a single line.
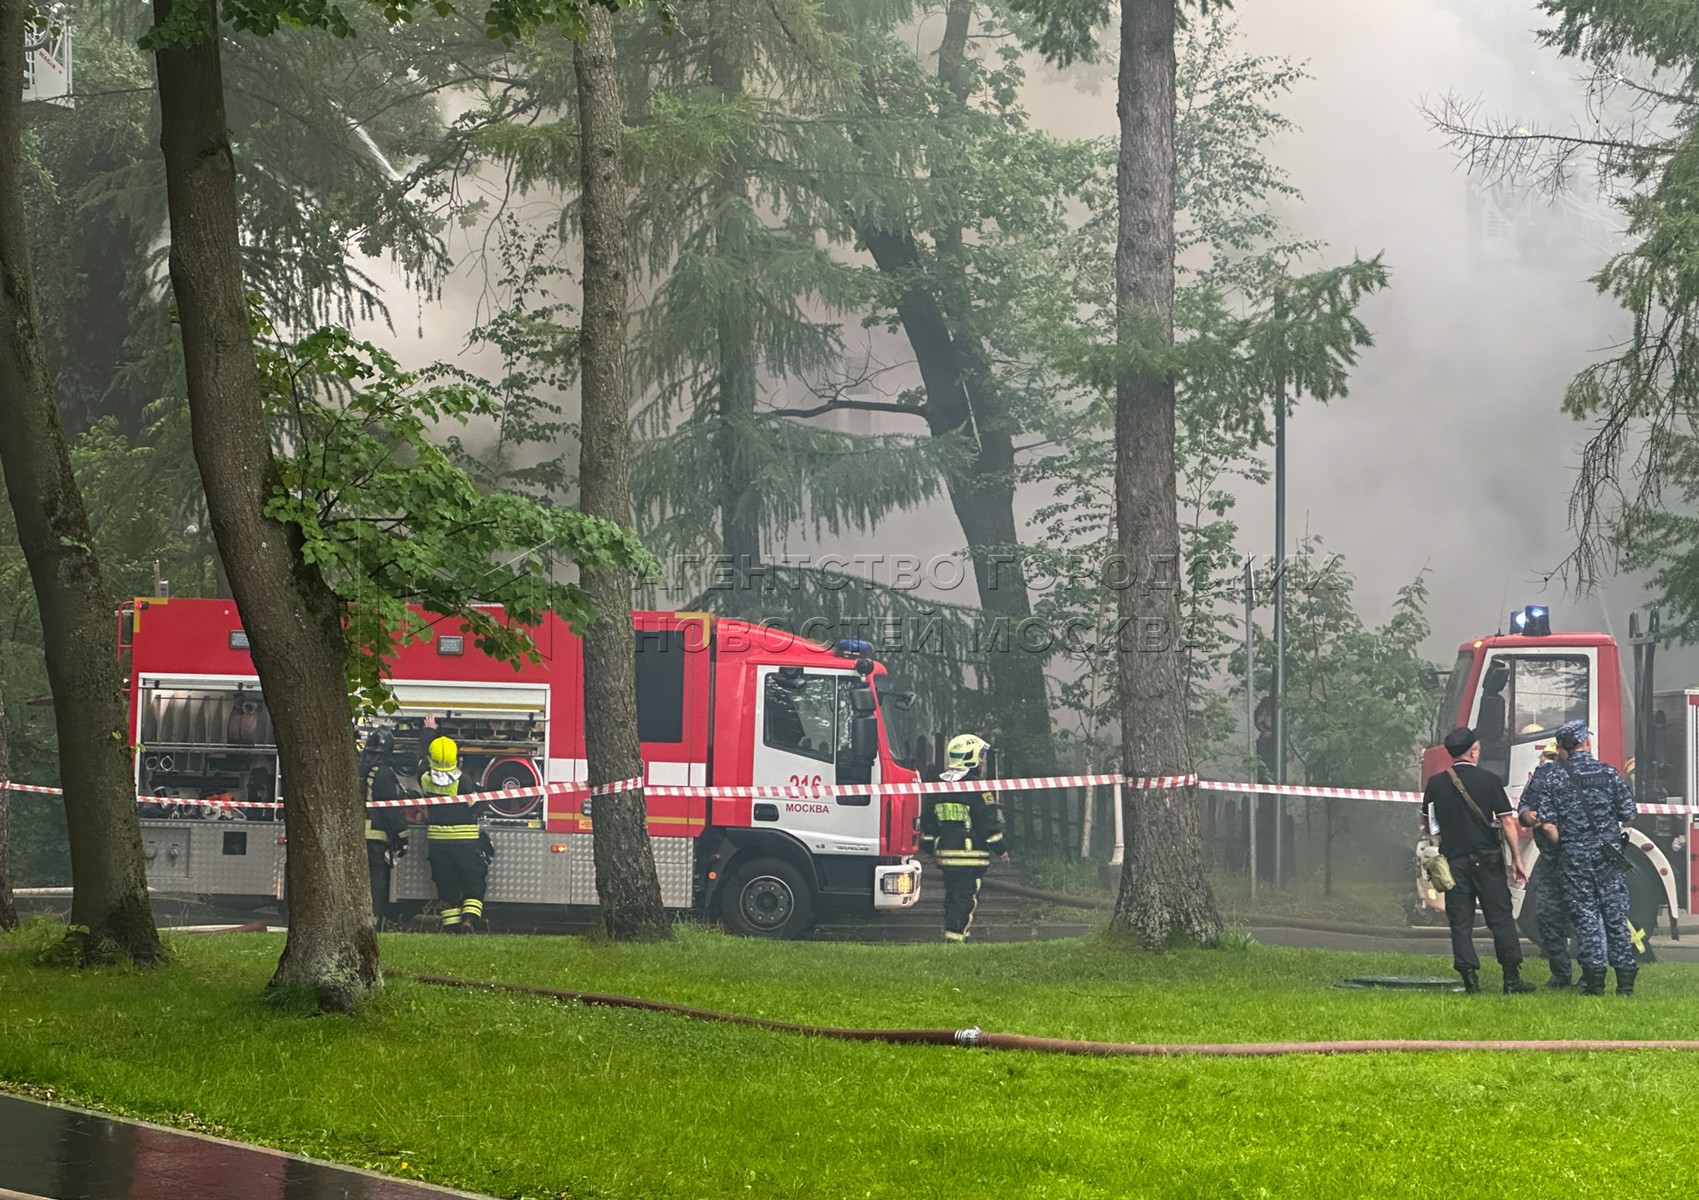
[[1279, 593]]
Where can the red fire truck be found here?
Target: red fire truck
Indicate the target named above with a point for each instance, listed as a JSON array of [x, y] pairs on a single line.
[[721, 703], [1516, 689]]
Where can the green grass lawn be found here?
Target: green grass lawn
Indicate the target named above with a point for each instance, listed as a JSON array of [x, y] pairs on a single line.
[[517, 1096], [1353, 901]]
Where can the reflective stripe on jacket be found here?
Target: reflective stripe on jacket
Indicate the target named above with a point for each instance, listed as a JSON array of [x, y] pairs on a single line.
[[453, 833], [962, 829]]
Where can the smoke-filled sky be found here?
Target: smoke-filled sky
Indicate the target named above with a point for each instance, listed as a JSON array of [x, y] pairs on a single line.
[[1451, 453]]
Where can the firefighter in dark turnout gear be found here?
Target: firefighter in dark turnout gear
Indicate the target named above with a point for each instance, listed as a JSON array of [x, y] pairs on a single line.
[[386, 828], [460, 851], [962, 830]]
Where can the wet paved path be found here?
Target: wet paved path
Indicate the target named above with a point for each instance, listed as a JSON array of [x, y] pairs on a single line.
[[49, 1152]]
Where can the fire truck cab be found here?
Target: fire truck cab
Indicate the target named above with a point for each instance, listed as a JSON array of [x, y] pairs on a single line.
[[721, 703], [1516, 689]]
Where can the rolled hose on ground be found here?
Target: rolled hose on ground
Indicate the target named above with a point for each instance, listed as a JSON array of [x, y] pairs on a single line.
[[975, 1037]]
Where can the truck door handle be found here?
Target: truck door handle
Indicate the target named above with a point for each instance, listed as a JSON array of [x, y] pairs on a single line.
[[766, 812]]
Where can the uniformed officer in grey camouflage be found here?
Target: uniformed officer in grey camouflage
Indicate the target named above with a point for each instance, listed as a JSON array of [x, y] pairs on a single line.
[[1551, 909], [1585, 802]]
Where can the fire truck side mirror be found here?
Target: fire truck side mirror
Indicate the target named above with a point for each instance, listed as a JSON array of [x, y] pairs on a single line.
[[864, 739], [861, 701]]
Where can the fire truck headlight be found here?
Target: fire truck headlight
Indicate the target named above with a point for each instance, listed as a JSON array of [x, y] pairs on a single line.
[[897, 884]]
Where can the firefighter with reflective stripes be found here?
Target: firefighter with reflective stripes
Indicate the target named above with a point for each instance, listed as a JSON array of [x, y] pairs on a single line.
[[386, 828], [460, 851], [963, 831]]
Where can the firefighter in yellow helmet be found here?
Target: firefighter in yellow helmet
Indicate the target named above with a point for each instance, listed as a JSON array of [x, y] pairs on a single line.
[[460, 851], [962, 830]]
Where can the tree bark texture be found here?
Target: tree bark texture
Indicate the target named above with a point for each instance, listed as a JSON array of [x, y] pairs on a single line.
[[292, 617], [626, 882], [109, 904], [1165, 896], [8, 907]]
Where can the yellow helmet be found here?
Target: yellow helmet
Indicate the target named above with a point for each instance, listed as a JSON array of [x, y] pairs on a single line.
[[964, 752], [445, 755]]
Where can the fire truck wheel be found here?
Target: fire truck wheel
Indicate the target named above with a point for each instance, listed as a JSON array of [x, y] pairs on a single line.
[[767, 897]]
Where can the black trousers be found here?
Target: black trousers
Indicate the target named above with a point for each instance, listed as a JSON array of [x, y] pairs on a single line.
[[961, 897], [1481, 877], [460, 873], [378, 867]]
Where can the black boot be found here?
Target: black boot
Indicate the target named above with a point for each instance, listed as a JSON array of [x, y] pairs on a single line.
[[1471, 979], [1514, 984], [1592, 981], [1562, 974], [1625, 980]]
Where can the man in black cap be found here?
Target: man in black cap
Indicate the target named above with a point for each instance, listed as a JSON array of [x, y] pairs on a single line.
[[1465, 802]]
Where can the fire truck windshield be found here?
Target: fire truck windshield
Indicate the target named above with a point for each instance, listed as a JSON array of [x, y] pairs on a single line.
[[1451, 701]]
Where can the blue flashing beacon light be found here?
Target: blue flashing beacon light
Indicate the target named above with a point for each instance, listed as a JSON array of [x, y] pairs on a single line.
[[1533, 621]]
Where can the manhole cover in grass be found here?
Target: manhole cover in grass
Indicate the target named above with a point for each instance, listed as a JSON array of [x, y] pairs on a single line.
[[1406, 983]]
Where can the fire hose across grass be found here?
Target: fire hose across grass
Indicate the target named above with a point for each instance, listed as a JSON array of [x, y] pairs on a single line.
[[980, 1039]]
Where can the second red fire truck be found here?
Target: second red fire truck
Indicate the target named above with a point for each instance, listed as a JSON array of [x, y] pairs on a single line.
[[1516, 689], [721, 703]]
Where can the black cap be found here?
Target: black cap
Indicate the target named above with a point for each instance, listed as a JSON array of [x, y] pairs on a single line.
[[1458, 741]]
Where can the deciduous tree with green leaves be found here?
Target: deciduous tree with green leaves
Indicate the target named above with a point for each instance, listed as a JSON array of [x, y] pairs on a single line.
[[275, 543], [110, 913], [1356, 709]]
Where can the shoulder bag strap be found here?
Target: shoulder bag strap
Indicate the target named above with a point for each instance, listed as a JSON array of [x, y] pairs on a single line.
[[1468, 799]]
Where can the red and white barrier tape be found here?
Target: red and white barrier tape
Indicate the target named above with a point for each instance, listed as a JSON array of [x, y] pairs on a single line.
[[208, 802], [7, 785], [785, 791], [1321, 793], [824, 791]]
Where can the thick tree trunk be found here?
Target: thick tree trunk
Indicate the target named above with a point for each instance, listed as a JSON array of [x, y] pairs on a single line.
[[292, 617], [960, 396], [109, 905], [8, 908], [626, 882], [1165, 896]]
